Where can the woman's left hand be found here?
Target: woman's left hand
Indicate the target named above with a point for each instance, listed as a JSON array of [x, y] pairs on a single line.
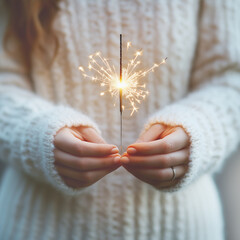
[[159, 157]]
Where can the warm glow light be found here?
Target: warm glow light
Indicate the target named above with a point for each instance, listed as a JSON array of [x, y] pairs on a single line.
[[105, 73], [129, 44], [122, 85], [81, 68], [138, 53]]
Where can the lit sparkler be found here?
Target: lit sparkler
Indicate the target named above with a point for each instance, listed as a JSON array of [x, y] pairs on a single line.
[[126, 84]]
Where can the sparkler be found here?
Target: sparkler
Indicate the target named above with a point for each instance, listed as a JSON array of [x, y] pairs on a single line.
[[120, 95], [126, 84]]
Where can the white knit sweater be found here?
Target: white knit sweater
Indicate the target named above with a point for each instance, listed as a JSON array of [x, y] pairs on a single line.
[[198, 89]]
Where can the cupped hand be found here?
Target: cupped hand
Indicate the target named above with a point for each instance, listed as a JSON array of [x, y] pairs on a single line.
[[154, 154], [82, 157]]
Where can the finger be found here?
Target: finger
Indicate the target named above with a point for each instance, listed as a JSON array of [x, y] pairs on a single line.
[[88, 177], [168, 130], [85, 163], [75, 133], [171, 143], [90, 135], [66, 142], [155, 176], [152, 133], [157, 161]]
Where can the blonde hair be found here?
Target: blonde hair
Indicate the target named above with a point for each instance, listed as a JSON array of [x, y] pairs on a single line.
[[29, 24]]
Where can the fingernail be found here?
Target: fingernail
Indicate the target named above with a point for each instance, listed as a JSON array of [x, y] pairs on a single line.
[[131, 150], [125, 159], [117, 159], [114, 150]]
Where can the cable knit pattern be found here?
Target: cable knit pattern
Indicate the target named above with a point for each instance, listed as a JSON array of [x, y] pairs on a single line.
[[198, 89]]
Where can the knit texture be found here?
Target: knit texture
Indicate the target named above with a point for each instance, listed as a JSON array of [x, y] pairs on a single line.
[[198, 89]]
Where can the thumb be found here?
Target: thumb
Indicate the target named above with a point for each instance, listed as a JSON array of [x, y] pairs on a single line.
[[90, 134], [153, 133]]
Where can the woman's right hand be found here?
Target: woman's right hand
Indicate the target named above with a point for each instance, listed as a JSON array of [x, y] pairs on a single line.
[[82, 157]]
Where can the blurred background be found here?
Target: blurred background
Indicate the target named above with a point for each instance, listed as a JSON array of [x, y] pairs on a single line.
[[228, 184]]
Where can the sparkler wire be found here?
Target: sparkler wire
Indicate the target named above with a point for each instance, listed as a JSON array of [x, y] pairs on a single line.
[[120, 97]]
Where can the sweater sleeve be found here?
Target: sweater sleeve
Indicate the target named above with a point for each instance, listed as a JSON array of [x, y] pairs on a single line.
[[210, 113], [28, 124]]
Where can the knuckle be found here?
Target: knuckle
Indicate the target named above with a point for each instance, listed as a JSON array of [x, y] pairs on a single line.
[[165, 161], [56, 141], [87, 177], [81, 164], [78, 148], [160, 175], [60, 134], [107, 163], [167, 146], [57, 154]]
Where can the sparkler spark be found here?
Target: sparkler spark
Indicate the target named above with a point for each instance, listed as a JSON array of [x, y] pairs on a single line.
[[126, 84], [105, 73]]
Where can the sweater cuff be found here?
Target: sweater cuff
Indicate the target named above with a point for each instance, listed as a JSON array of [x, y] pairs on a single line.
[[197, 128], [56, 119]]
